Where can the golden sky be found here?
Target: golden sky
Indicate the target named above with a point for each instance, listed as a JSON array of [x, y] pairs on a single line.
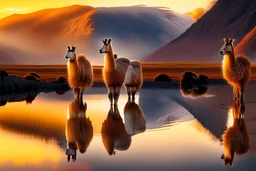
[[26, 6]]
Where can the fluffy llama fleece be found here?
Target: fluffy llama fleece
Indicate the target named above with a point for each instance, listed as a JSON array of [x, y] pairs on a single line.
[[236, 70], [79, 129], [235, 139], [80, 72], [115, 76], [114, 135], [134, 118], [236, 73], [133, 76]]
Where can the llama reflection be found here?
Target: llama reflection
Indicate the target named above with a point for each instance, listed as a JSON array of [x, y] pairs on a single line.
[[235, 139], [114, 135], [79, 130], [134, 118]]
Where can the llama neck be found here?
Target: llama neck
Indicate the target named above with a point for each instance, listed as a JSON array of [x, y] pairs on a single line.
[[109, 59], [229, 59], [73, 59], [72, 65]]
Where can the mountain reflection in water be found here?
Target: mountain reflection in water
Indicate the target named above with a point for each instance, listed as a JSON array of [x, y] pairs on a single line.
[[145, 135]]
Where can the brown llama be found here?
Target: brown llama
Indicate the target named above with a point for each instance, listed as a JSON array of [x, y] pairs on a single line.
[[235, 139], [114, 71], [79, 130], [133, 79], [80, 73], [114, 135], [236, 70], [134, 119]]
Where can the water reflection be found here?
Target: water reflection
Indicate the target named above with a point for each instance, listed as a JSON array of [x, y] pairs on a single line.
[[166, 107], [235, 139], [28, 97], [134, 118], [114, 135], [79, 130]]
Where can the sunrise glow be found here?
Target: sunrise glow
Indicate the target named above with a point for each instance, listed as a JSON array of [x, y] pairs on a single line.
[[28, 6]]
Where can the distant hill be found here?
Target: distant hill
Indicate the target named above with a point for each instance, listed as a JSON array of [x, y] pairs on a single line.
[[44, 35], [202, 41], [247, 46]]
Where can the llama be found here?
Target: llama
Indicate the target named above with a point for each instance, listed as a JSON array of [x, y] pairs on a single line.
[[114, 135], [133, 79], [134, 119], [79, 130], [235, 70], [113, 72], [80, 73], [235, 139]]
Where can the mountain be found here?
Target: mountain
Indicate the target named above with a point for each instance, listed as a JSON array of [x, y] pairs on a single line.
[[247, 46], [44, 35], [202, 41]]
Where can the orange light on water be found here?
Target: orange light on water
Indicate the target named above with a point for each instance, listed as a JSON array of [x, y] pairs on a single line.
[[21, 149]]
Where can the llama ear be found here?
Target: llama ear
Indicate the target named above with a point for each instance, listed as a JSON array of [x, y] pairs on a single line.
[[222, 156], [109, 40], [225, 40], [232, 41], [73, 48], [68, 48]]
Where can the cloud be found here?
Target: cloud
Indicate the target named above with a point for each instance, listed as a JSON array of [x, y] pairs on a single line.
[[199, 12], [13, 10]]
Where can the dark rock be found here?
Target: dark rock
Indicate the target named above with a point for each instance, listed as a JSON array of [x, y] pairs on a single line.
[[30, 77], [30, 98], [62, 80], [3, 103], [163, 78], [188, 80], [203, 80], [193, 86], [14, 84], [34, 74], [3, 73]]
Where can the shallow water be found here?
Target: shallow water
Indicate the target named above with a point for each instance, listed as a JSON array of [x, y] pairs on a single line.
[[182, 133]]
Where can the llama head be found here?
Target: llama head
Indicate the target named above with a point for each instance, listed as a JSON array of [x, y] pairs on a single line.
[[71, 151], [106, 46], [71, 53], [227, 47], [227, 160]]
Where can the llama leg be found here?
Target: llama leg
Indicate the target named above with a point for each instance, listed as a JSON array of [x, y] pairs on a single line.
[[117, 90], [110, 94], [116, 112], [133, 93], [128, 90], [242, 101], [81, 97], [235, 94], [130, 93], [76, 94]]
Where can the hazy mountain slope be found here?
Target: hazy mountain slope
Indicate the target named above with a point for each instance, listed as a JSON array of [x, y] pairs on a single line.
[[136, 31], [248, 45], [202, 41]]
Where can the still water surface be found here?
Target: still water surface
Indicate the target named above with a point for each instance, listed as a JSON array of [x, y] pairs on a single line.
[[162, 131]]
